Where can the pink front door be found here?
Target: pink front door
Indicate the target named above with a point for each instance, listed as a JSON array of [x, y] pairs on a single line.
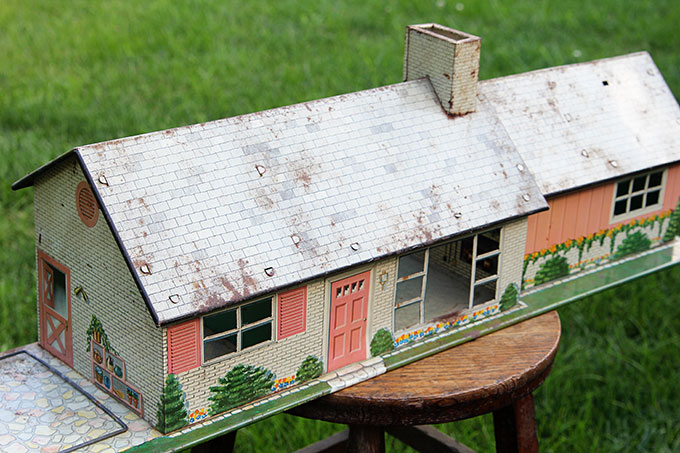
[[55, 308], [349, 308]]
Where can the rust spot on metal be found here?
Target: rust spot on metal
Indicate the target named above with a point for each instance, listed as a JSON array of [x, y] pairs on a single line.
[[141, 201], [249, 283], [231, 288], [265, 202], [446, 75], [303, 176]]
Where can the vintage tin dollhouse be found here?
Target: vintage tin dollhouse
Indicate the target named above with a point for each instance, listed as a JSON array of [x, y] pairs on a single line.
[[240, 256]]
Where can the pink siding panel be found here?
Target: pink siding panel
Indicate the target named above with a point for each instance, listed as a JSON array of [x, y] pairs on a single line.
[[529, 246], [586, 212], [570, 216], [557, 212], [670, 199]]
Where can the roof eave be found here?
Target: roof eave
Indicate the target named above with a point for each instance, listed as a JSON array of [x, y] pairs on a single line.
[[29, 179]]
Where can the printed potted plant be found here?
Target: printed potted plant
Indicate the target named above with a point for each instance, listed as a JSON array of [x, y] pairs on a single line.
[[99, 375], [133, 398]]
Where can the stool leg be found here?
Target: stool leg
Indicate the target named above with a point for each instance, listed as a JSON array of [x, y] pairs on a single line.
[[366, 439], [515, 427]]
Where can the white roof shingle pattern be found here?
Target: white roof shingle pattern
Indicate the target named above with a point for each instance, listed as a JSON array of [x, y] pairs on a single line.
[[579, 124], [208, 207]]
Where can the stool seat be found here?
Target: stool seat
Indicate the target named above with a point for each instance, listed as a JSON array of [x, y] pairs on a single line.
[[490, 374]]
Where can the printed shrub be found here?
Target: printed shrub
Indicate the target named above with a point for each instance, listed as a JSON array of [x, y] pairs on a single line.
[[241, 384], [673, 229], [171, 412], [510, 297], [310, 368], [382, 342], [555, 267], [633, 243]]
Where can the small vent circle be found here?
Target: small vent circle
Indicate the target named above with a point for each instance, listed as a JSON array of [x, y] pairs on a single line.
[[88, 211]]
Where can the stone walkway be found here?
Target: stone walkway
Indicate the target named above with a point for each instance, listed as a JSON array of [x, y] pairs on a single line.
[[39, 411]]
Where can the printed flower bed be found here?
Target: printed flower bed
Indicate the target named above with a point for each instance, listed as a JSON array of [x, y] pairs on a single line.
[[584, 244], [446, 325]]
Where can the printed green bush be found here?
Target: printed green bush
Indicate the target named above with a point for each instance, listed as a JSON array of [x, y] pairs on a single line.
[[241, 384], [171, 412], [510, 297], [382, 342], [310, 368], [555, 267], [633, 243], [673, 229]]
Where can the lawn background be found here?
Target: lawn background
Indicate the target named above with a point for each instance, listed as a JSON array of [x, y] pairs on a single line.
[[78, 71]]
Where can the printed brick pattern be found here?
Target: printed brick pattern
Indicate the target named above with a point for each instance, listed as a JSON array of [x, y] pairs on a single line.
[[381, 310], [427, 56], [95, 263], [514, 235], [451, 67], [283, 357], [191, 205], [566, 111]]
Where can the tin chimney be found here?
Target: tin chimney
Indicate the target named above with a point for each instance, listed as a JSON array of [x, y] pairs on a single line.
[[450, 58]]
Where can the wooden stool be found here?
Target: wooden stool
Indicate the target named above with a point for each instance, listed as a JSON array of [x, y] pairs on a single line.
[[495, 373]]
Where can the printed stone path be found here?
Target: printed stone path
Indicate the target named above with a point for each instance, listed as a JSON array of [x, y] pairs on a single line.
[[39, 411]]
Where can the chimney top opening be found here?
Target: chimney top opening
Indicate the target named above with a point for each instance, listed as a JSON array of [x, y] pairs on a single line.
[[446, 32]]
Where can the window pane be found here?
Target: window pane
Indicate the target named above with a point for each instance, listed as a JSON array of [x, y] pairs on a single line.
[[652, 198], [620, 207], [219, 346], [407, 316], [484, 293], [256, 335], [466, 249], [409, 289], [639, 183], [636, 202], [256, 311], [411, 264], [488, 242], [220, 322], [486, 267], [622, 188], [655, 179], [60, 305]]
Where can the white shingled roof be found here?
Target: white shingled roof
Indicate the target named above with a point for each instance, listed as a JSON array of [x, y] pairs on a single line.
[[579, 124], [381, 170], [222, 211]]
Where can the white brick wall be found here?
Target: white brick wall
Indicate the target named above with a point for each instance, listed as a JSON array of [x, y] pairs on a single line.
[[96, 264], [512, 254]]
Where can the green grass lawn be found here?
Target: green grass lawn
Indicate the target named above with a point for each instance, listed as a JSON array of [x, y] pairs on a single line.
[[76, 72]]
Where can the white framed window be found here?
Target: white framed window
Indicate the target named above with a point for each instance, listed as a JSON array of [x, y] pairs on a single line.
[[638, 195], [235, 329], [441, 281]]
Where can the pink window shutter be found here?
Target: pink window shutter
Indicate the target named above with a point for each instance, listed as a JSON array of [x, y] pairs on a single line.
[[184, 346], [292, 312]]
